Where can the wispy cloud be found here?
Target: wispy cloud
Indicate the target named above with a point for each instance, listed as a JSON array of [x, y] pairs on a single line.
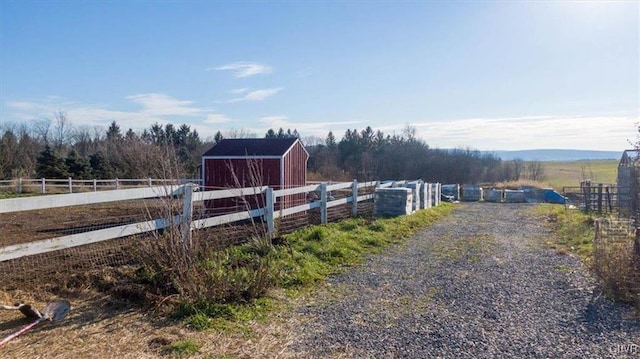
[[239, 91], [244, 69], [152, 107], [157, 104], [216, 118], [529, 132], [256, 95], [318, 129]]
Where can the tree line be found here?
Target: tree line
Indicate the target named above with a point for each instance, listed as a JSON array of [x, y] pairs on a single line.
[[57, 149], [369, 155]]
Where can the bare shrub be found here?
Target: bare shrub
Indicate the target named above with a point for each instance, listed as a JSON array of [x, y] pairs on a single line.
[[199, 268], [616, 262]]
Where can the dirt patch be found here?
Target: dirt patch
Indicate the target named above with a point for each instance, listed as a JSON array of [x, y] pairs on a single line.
[[29, 226]]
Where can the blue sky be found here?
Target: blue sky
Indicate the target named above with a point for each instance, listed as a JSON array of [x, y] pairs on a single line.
[[487, 75]]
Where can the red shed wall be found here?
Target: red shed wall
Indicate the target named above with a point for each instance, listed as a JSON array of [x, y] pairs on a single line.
[[295, 167], [295, 174], [222, 173]]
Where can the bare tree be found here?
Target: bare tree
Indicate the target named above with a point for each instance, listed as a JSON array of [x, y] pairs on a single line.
[[42, 130], [239, 133], [82, 140], [518, 168], [62, 131], [535, 170], [310, 141]]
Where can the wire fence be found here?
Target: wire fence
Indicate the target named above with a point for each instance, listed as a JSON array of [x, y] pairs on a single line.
[[599, 198], [57, 267], [616, 258]]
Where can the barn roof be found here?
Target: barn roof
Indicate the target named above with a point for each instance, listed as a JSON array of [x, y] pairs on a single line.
[[251, 147], [629, 158]]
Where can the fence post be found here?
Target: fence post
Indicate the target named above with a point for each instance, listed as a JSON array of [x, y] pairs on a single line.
[[70, 185], [599, 198], [187, 215], [354, 194], [95, 185], [44, 186], [586, 192], [117, 183], [150, 183], [20, 185], [268, 211], [323, 203]]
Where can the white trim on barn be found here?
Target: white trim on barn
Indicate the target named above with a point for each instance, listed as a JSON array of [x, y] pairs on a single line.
[[239, 157], [293, 145]]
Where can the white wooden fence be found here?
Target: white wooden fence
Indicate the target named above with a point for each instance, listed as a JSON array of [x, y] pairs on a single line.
[[71, 185], [190, 195]]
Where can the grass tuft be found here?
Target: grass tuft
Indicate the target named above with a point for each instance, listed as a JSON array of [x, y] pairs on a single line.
[[183, 348]]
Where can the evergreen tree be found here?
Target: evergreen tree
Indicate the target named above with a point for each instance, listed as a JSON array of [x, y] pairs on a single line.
[[100, 168], [113, 132], [218, 137], [330, 142], [78, 167], [50, 165], [271, 134], [130, 135]]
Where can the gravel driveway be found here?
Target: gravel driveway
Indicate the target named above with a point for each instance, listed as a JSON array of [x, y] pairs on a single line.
[[478, 284]]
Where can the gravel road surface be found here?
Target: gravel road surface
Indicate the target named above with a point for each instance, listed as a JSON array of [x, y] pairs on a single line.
[[478, 284]]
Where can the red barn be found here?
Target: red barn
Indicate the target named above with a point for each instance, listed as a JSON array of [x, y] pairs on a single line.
[[248, 162]]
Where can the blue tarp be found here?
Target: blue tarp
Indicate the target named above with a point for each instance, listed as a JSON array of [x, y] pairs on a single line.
[[551, 196]]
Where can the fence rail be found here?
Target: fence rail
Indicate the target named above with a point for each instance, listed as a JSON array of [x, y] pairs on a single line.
[[71, 185], [190, 195], [598, 198]]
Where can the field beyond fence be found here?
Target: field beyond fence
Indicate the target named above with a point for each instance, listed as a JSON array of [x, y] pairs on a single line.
[[571, 173]]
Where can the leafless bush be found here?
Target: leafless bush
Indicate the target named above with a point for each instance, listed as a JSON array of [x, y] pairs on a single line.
[[616, 261], [201, 268]]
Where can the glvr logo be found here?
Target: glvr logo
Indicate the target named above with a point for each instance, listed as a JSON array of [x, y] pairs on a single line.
[[625, 349]]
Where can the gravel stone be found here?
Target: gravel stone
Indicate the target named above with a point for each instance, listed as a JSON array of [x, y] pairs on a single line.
[[477, 284]]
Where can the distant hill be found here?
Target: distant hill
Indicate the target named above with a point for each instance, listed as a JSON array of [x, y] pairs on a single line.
[[558, 155]]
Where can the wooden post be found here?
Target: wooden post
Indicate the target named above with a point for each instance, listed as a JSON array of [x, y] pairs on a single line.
[[269, 211], [187, 215], [586, 193], [323, 203], [354, 194], [20, 185], [117, 183], [636, 245], [70, 185], [149, 181], [599, 198], [95, 185], [44, 186]]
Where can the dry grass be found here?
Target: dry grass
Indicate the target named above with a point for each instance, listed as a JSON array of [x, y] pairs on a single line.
[[616, 262], [100, 327], [519, 184]]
